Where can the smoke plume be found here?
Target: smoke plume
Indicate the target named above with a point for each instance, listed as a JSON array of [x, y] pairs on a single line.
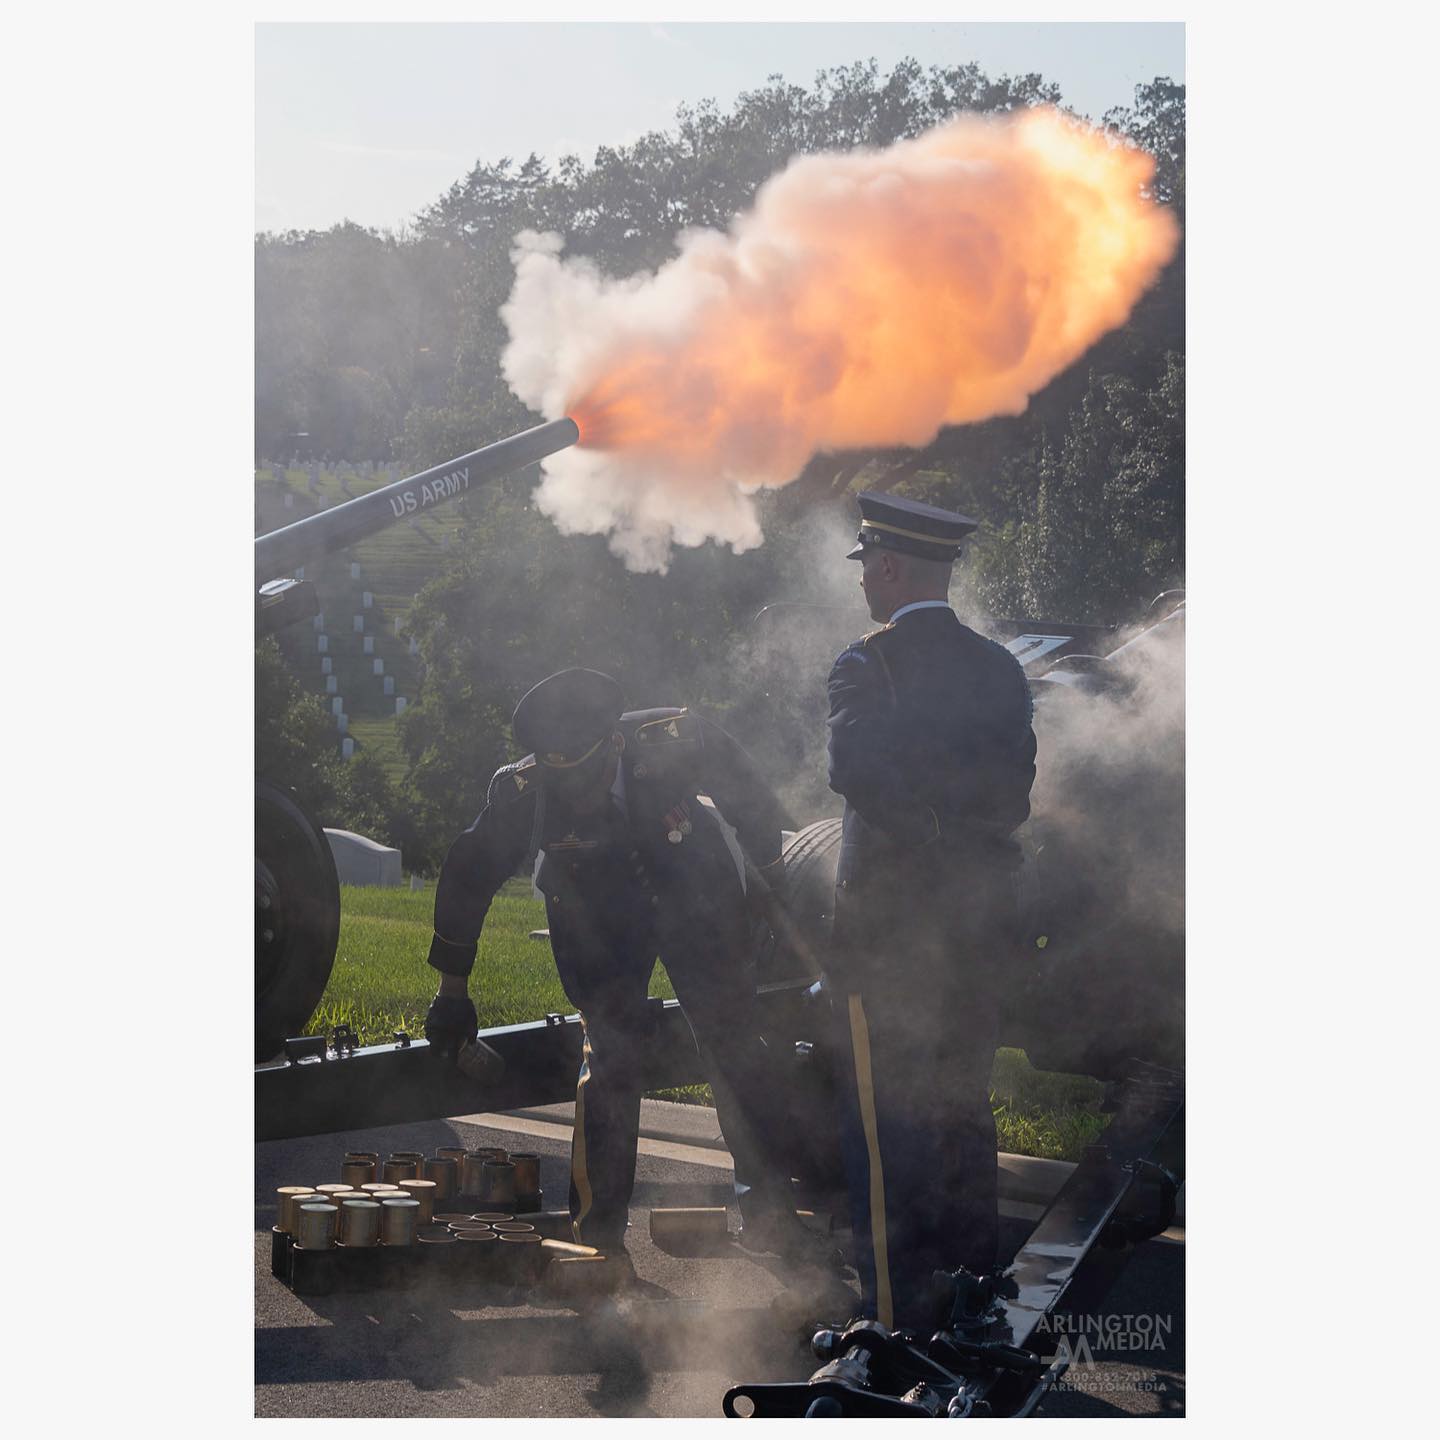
[[867, 299]]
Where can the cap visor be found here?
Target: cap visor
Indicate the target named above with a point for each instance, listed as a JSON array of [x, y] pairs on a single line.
[[858, 553]]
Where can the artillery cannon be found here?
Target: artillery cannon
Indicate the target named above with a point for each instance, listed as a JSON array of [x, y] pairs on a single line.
[[297, 892], [1097, 988]]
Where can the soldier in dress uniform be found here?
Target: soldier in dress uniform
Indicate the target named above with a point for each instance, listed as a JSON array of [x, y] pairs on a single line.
[[930, 743], [632, 866]]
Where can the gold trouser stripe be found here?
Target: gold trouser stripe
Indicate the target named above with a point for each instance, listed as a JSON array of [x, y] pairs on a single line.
[[908, 534], [578, 1172], [865, 1087]]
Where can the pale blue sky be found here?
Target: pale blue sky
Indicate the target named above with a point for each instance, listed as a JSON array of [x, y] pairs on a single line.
[[372, 122]]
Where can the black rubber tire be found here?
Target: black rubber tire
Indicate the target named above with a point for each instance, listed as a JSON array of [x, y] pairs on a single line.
[[297, 917], [810, 858]]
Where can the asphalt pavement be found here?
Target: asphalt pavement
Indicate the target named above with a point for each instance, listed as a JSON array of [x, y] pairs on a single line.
[[669, 1347]]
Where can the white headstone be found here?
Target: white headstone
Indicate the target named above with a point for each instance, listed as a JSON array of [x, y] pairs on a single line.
[[416, 883], [367, 599], [331, 681], [342, 723], [289, 501], [347, 748], [359, 624], [379, 667], [324, 502], [325, 666], [337, 706], [369, 644], [414, 646], [399, 704], [299, 569], [354, 569], [317, 623], [389, 684], [397, 624], [322, 643]]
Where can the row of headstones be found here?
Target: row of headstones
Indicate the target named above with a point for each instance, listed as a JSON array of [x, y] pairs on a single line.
[[331, 678], [342, 720], [337, 702], [317, 623]]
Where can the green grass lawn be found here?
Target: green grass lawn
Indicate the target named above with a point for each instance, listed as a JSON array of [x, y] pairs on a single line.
[[381, 984]]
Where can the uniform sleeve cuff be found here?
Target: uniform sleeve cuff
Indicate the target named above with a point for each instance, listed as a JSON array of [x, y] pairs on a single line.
[[451, 959]]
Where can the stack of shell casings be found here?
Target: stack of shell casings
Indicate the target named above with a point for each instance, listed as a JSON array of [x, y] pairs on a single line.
[[285, 1198], [472, 1174], [402, 1165]]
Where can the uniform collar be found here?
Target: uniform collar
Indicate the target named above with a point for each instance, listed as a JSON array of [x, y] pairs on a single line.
[[921, 605]]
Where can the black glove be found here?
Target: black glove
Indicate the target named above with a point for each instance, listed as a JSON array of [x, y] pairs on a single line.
[[450, 1022]]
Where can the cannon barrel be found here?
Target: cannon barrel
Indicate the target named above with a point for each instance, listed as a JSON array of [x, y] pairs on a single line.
[[281, 550]]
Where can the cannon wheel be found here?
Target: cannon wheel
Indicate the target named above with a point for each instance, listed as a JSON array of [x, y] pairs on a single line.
[[810, 858], [297, 917]]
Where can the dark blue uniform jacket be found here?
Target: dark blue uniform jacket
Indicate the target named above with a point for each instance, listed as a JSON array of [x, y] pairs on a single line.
[[931, 746], [608, 874]]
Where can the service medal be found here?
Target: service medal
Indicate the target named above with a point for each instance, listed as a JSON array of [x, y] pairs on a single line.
[[674, 837]]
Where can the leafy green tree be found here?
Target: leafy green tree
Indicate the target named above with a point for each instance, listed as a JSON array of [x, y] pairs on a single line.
[[294, 739]]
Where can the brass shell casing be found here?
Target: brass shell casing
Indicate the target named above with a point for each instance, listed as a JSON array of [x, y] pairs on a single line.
[[382, 1187], [359, 1223], [285, 1197], [334, 1193], [362, 1157], [424, 1192], [317, 1226], [512, 1227], [356, 1173], [397, 1221], [489, 1217], [499, 1183], [455, 1153], [527, 1172], [445, 1172], [472, 1173], [394, 1171]]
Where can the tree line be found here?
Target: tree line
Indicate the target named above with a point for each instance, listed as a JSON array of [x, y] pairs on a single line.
[[385, 346]]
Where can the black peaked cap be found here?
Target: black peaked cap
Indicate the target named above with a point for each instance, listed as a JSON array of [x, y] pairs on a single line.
[[910, 526], [567, 716]]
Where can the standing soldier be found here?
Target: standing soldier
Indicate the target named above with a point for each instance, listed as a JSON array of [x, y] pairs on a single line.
[[633, 866], [931, 746]]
